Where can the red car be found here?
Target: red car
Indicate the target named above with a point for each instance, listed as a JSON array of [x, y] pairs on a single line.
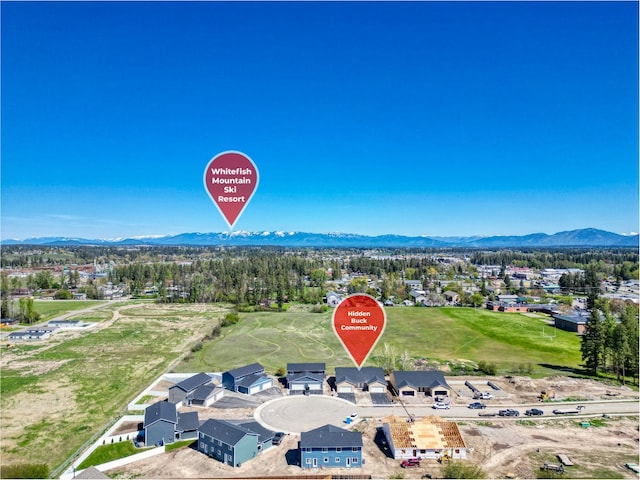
[[410, 462]]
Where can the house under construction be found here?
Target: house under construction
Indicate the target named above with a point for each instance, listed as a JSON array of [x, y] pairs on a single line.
[[428, 437]]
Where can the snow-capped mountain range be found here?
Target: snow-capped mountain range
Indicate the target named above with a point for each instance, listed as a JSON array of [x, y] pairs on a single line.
[[588, 237]]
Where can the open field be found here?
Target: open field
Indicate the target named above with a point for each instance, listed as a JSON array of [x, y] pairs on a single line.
[[437, 334], [49, 309], [57, 394]]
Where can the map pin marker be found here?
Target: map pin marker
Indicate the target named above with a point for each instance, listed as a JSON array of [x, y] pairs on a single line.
[[359, 321], [231, 179]]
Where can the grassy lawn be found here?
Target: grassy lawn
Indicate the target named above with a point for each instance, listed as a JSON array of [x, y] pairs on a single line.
[[108, 453], [440, 334], [49, 309]]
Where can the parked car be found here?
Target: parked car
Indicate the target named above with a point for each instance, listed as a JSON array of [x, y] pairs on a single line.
[[353, 416], [483, 396], [509, 412], [277, 438], [440, 405], [477, 405], [533, 411], [410, 463]]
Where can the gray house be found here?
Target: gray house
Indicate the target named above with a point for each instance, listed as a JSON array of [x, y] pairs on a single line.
[[410, 383], [248, 379], [163, 424], [330, 446], [233, 443], [180, 392], [350, 379], [305, 378]]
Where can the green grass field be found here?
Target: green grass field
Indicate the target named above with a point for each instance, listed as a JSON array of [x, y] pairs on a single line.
[[49, 309], [437, 334]]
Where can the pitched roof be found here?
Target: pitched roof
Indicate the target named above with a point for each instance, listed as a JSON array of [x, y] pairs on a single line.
[[193, 382], [306, 367], [225, 431], [251, 380], [305, 377], [330, 436], [264, 434], [204, 391], [364, 375], [160, 411], [187, 421], [246, 370], [429, 378]]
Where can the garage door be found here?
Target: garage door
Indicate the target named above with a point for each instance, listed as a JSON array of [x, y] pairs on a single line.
[[344, 389], [377, 389], [297, 386], [254, 390], [407, 393]]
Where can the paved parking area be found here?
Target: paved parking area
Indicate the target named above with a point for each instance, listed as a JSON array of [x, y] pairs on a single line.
[[302, 413]]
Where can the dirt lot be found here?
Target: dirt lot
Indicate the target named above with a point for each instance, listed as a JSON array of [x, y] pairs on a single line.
[[514, 447]]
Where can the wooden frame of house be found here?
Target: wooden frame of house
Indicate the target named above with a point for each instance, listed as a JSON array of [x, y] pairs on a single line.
[[330, 447], [429, 437]]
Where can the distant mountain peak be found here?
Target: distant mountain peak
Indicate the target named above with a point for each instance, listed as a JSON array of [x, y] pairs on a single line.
[[586, 237]]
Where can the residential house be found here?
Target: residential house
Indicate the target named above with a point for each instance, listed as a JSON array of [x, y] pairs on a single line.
[[349, 379], [249, 379], [451, 296], [330, 446], [418, 297], [429, 437], [66, 324], [414, 284], [163, 424], [180, 392], [333, 299], [306, 378], [411, 383], [233, 443]]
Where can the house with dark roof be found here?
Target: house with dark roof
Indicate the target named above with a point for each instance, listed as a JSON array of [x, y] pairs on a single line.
[[182, 392], [248, 379], [571, 322], [163, 424], [350, 379], [330, 446], [306, 378], [233, 443], [205, 395], [412, 383]]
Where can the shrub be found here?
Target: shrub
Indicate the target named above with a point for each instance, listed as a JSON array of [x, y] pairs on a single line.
[[280, 372]]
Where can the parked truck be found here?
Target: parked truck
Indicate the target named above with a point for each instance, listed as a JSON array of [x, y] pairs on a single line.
[[566, 411]]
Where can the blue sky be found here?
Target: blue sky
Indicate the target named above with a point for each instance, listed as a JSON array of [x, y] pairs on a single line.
[[416, 118]]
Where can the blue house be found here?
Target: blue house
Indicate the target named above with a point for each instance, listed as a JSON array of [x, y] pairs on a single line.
[[249, 379], [163, 424], [330, 446], [233, 443], [305, 378]]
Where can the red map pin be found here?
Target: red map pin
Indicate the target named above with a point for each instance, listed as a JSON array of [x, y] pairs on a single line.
[[231, 179], [359, 321]]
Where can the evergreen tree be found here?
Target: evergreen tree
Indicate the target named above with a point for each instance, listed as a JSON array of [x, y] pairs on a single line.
[[593, 342]]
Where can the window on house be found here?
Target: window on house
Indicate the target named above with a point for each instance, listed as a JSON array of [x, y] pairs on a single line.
[[337, 459], [354, 460], [308, 450], [338, 449], [219, 442], [355, 449], [326, 460], [325, 450], [308, 461]]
